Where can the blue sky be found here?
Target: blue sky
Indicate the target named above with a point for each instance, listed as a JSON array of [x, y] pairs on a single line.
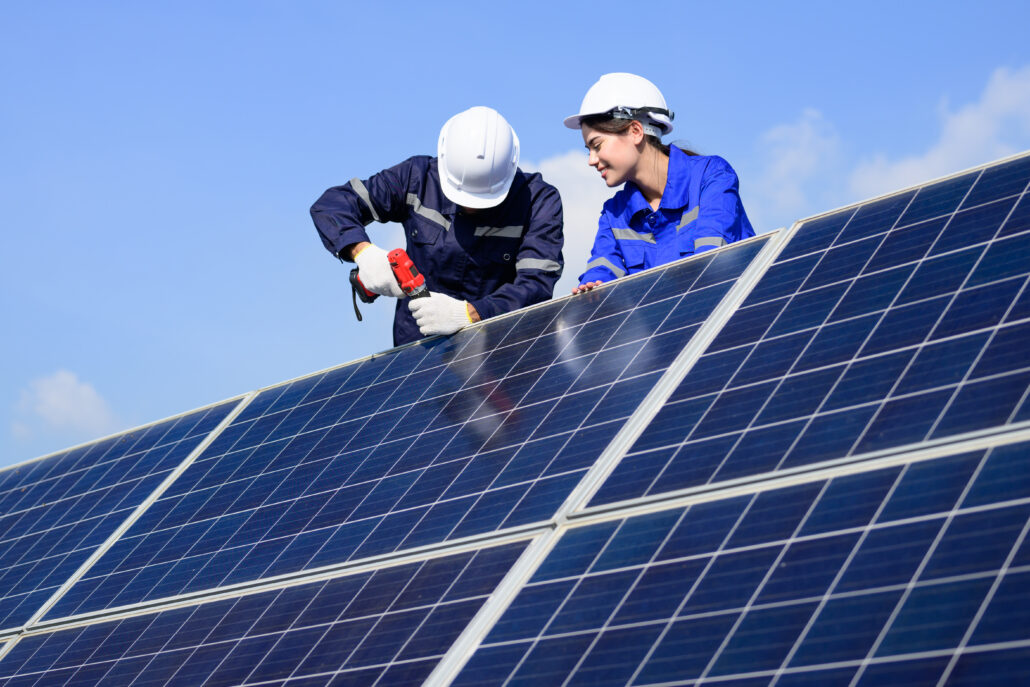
[[157, 160]]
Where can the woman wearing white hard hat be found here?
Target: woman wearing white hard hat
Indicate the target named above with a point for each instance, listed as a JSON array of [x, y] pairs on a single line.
[[486, 235], [675, 203]]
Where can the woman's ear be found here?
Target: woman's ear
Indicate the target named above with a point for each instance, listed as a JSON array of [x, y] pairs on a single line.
[[636, 132]]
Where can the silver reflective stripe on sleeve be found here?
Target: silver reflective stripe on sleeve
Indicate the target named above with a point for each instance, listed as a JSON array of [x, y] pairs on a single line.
[[512, 232], [704, 241], [630, 235], [428, 213], [605, 262], [688, 217], [362, 192], [537, 264]]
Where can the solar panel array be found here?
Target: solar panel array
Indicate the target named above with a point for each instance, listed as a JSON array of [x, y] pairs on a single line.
[[797, 460]]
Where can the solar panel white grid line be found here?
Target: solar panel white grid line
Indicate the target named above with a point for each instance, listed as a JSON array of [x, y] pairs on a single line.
[[287, 580], [632, 587], [924, 451], [863, 535], [693, 587], [471, 345], [761, 585], [872, 526], [463, 649], [73, 543], [917, 574], [780, 383], [828, 395], [994, 330], [357, 646], [947, 177], [975, 622], [139, 510], [92, 442], [417, 566], [469, 640], [674, 374], [940, 318]]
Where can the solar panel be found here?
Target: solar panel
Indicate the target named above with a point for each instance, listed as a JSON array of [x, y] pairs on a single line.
[[486, 431], [797, 460], [56, 511], [867, 578], [388, 626], [888, 324]]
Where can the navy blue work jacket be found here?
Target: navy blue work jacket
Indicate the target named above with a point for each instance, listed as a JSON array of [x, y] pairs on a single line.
[[700, 210], [498, 259]]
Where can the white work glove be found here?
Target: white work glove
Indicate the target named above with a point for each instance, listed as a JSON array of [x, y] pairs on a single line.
[[439, 314], [375, 272]]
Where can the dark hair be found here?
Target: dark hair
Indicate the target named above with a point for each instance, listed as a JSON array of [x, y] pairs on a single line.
[[611, 125]]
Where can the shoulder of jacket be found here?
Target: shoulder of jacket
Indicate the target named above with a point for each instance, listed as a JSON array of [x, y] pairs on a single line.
[[617, 204]]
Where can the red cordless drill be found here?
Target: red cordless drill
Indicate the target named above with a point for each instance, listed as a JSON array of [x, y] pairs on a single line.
[[411, 281]]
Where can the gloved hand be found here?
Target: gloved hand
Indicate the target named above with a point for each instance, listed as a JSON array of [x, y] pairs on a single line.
[[375, 272], [439, 314]]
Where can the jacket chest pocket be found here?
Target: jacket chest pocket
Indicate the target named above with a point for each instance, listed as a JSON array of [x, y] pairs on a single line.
[[636, 256], [422, 232]]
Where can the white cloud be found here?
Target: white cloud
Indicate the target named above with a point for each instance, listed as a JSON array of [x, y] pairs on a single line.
[[583, 192], [995, 126], [63, 402], [793, 163]]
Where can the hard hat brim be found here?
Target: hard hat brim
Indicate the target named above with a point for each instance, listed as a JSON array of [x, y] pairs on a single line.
[[476, 201]]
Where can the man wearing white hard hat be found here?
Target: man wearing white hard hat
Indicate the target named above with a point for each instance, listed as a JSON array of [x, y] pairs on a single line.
[[675, 203], [486, 235]]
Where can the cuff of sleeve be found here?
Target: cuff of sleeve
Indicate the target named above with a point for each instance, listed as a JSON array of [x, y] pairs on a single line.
[[484, 307], [597, 273], [348, 238]]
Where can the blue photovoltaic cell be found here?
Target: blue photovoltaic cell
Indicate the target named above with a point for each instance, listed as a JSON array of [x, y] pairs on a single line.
[[489, 429], [54, 512], [387, 627], [883, 577], [889, 324]]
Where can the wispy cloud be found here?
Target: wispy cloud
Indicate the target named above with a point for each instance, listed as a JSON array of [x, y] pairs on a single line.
[[996, 125], [63, 403], [790, 169]]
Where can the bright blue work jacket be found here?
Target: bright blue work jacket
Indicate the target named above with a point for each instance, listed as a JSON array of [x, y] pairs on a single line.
[[498, 259], [700, 210]]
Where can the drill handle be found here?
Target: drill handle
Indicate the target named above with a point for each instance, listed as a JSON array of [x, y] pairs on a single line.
[[358, 290]]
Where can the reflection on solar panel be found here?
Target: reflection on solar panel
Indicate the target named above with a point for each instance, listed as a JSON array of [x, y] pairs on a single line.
[[483, 432], [797, 460]]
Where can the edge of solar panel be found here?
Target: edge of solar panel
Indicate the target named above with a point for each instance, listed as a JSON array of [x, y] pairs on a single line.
[[581, 515], [586, 510], [231, 406], [641, 550], [766, 252], [572, 514]]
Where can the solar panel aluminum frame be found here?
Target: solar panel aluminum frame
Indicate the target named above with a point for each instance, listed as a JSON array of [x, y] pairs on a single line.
[[467, 643], [241, 403], [739, 290], [574, 512], [982, 437]]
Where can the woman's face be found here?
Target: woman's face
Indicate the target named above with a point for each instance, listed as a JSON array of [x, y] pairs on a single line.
[[615, 156]]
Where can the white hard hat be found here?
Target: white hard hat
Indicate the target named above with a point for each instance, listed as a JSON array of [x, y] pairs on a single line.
[[478, 154], [626, 96]]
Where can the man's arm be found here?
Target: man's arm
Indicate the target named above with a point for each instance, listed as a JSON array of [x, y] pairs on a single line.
[[539, 262]]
